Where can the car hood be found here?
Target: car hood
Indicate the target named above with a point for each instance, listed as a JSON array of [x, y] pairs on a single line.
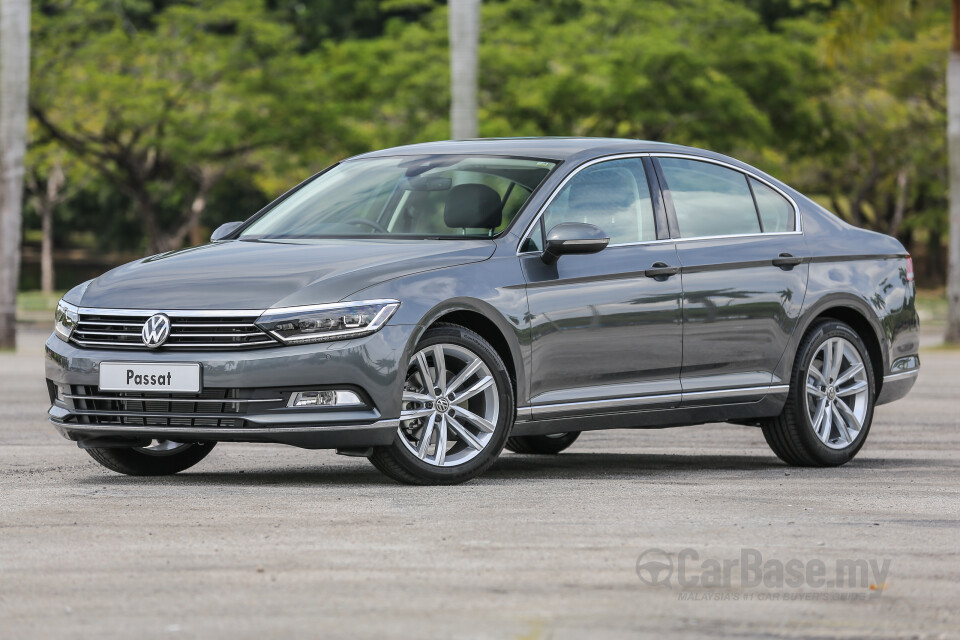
[[263, 274]]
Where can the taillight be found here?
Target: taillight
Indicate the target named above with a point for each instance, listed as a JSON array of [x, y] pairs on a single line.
[[909, 268]]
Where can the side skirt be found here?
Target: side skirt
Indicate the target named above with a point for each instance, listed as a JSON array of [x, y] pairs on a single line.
[[768, 406]]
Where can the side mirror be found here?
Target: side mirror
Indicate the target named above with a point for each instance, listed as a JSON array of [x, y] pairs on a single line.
[[573, 237], [224, 230]]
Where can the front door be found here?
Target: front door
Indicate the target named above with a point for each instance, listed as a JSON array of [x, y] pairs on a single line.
[[606, 328]]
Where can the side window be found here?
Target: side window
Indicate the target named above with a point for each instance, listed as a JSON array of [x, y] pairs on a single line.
[[516, 197], [534, 241], [709, 200], [776, 213], [612, 195]]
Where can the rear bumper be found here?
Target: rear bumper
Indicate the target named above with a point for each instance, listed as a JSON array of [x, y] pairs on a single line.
[[255, 409], [897, 385]]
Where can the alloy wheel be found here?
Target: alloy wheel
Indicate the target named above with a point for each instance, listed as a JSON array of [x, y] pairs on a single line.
[[450, 405], [837, 393]]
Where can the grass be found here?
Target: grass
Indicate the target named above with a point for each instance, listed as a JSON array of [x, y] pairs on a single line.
[[36, 306], [932, 306], [38, 301]]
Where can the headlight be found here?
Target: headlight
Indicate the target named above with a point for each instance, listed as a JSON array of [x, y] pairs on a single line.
[[319, 323], [65, 320]]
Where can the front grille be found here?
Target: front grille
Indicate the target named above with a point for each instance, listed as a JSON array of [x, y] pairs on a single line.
[[186, 332], [212, 408]]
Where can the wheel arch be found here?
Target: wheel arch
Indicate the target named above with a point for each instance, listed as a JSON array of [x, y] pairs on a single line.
[[859, 317], [484, 320]]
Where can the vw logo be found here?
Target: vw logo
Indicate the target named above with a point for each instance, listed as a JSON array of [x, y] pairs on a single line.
[[443, 405], [156, 330]]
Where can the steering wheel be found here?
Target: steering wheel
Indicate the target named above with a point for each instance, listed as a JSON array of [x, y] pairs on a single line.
[[370, 223]]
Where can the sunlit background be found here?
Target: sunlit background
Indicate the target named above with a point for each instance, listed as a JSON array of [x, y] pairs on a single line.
[[152, 122]]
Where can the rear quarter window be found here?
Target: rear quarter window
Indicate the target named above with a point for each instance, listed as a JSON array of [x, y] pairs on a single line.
[[709, 200], [776, 212]]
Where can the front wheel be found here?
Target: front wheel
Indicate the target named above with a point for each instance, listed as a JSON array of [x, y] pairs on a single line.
[[159, 458], [456, 412], [830, 405]]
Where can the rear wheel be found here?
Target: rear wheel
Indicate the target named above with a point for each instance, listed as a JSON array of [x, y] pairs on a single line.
[[456, 412], [159, 458], [550, 444], [830, 406]]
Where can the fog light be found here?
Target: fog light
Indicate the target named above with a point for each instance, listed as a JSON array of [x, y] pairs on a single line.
[[323, 399]]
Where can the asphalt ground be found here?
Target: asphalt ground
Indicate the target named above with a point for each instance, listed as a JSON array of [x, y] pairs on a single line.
[[624, 535]]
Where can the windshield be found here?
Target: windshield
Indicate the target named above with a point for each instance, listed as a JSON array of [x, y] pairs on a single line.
[[410, 196]]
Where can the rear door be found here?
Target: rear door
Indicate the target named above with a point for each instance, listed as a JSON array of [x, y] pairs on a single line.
[[745, 272], [605, 328]]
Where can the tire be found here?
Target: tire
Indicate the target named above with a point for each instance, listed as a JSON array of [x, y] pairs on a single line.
[[543, 445], [461, 460], [792, 435], [154, 460]]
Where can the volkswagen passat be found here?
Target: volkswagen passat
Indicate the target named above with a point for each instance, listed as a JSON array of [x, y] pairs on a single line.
[[429, 305]]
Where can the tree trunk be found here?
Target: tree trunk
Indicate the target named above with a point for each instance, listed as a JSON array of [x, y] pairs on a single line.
[[208, 178], [953, 144], [464, 43], [46, 251], [156, 240], [900, 204], [14, 81], [55, 182]]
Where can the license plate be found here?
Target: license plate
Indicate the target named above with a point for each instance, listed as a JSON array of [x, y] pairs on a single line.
[[140, 376]]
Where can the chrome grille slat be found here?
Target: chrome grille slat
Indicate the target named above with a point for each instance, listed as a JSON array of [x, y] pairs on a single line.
[[213, 335], [73, 396], [197, 345], [242, 342], [113, 324], [197, 330], [88, 332], [150, 413], [207, 325]]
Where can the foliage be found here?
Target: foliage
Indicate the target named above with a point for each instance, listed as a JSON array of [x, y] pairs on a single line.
[[261, 93], [164, 111]]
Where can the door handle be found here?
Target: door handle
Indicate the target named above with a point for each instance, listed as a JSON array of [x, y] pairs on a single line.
[[786, 260], [661, 270]]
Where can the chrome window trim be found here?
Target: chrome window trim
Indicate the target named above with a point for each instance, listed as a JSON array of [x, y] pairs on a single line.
[[687, 156]]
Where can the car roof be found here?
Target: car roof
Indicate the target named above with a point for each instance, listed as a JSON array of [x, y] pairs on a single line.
[[544, 148]]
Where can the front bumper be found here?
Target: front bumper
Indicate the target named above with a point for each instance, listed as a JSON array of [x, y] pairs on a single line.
[[255, 386]]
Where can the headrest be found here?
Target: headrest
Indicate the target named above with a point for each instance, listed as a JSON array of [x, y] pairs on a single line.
[[473, 206], [603, 190]]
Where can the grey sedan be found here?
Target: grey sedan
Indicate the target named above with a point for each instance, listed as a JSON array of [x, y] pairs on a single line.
[[427, 306]]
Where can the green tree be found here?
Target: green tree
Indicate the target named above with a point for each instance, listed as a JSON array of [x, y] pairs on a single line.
[[883, 166], [860, 21], [53, 176], [597, 68], [165, 110]]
